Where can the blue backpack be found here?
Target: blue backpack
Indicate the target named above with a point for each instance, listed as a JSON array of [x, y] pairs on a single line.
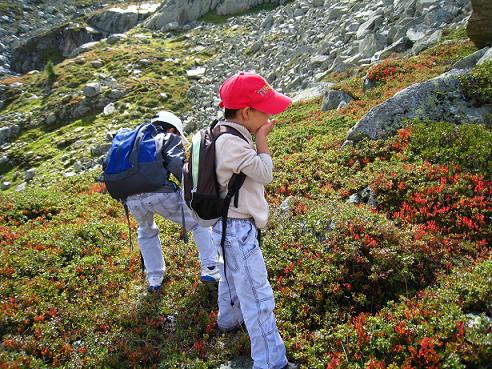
[[134, 163]]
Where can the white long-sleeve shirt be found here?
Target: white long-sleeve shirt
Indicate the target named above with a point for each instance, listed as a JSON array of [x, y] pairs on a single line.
[[235, 155]]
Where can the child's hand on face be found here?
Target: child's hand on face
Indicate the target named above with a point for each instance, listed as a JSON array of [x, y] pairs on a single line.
[[267, 127]]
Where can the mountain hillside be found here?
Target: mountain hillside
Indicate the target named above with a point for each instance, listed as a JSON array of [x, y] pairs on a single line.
[[378, 243]]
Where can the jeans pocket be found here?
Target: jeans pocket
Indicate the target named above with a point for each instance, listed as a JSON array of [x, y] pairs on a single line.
[[257, 272], [229, 257], [247, 240]]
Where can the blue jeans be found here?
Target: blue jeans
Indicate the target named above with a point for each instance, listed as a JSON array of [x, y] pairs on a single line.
[[170, 206], [252, 296]]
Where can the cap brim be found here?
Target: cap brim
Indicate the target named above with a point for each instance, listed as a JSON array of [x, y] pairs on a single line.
[[276, 103]]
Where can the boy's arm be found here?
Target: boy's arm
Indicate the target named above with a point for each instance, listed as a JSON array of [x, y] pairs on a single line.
[[237, 155], [174, 155]]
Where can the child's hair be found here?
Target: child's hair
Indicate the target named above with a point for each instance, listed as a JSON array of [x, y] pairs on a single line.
[[230, 113]]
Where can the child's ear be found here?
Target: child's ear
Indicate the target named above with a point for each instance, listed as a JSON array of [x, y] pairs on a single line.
[[245, 112]]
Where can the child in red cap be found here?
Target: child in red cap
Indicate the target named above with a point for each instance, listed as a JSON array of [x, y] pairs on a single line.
[[245, 295]]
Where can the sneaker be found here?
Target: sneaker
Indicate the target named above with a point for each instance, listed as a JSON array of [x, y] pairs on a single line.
[[154, 283], [290, 365], [210, 274]]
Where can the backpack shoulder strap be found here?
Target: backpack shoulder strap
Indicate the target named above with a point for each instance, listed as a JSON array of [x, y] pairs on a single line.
[[138, 139], [219, 130]]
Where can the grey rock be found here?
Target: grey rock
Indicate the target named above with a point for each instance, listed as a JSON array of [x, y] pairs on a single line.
[[368, 26], [333, 98], [6, 185], [99, 150], [29, 174], [51, 118], [427, 42], [439, 99], [27, 54], [405, 7], [83, 48], [78, 166], [268, 22], [171, 26], [109, 109], [97, 63], [366, 196], [196, 73], [163, 96], [398, 46], [368, 84], [9, 133], [471, 60], [319, 59], [486, 57], [342, 105], [479, 26], [313, 92], [437, 17], [92, 89], [69, 174], [417, 33], [116, 20], [21, 187], [370, 45], [113, 39], [286, 205]]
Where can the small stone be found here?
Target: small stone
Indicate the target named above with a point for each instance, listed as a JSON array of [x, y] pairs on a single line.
[[109, 109], [21, 187], [112, 39], [51, 118], [29, 174], [97, 63], [92, 89], [6, 185], [163, 96], [196, 73]]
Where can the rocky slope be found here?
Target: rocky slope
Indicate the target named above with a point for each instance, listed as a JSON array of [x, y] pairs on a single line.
[[297, 46]]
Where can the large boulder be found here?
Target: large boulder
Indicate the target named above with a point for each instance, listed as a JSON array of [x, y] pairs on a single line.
[[116, 20], [439, 99], [479, 27], [180, 11], [185, 11], [54, 45], [227, 7]]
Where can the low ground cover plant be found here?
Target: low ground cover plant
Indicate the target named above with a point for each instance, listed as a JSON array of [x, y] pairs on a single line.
[[400, 283]]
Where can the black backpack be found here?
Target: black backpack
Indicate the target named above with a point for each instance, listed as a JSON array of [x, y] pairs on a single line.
[[200, 186]]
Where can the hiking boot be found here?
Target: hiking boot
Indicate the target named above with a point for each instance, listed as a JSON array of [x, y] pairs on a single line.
[[210, 274], [154, 283]]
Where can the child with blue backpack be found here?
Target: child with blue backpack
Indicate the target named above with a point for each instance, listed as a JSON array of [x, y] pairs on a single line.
[[166, 200]]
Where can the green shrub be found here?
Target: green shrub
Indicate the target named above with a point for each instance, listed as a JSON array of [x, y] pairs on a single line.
[[50, 71], [477, 85], [467, 145]]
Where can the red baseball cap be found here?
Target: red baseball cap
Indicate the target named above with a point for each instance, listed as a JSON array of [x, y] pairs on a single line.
[[246, 89]]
